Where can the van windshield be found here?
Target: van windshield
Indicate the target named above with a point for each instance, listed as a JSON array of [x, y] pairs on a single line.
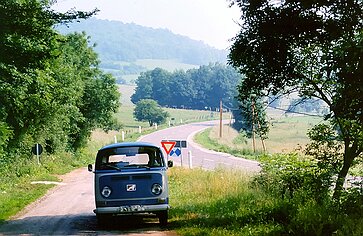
[[129, 157]]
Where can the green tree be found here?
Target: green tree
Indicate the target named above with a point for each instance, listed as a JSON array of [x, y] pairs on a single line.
[[50, 88], [313, 47], [162, 84], [253, 118], [86, 96], [144, 87], [183, 91], [150, 111]]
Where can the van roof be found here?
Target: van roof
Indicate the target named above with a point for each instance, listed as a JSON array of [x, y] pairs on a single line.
[[128, 144]]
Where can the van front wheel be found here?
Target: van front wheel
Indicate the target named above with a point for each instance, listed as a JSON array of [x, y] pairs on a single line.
[[163, 217], [103, 219]]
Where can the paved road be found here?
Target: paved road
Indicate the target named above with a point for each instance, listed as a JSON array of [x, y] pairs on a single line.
[[67, 208], [201, 157]]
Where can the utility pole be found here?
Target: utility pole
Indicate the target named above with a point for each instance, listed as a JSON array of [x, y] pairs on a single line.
[[262, 141], [220, 118]]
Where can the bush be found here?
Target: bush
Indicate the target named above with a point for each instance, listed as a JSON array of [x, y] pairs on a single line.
[[5, 134], [290, 175]]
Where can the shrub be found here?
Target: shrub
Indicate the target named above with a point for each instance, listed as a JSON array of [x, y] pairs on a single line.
[[289, 175]]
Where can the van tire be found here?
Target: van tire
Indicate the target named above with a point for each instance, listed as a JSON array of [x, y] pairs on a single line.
[[103, 219], [163, 218]]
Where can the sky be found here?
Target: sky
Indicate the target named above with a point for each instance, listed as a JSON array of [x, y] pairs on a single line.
[[211, 21]]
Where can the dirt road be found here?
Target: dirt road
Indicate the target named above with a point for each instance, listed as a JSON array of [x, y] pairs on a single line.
[[67, 208]]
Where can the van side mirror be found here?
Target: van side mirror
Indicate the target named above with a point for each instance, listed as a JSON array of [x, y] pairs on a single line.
[[90, 168], [170, 163]]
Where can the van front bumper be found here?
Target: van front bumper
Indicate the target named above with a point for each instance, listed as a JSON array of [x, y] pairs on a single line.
[[131, 209]]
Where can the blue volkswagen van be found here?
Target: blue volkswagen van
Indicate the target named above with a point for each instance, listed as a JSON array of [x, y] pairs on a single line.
[[130, 178]]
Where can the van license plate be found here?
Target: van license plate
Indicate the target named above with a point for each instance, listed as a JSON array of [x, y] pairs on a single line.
[[134, 208]]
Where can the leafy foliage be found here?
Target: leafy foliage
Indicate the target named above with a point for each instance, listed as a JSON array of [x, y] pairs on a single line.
[[325, 147], [289, 175], [51, 91], [307, 106], [312, 47], [252, 118], [149, 110]]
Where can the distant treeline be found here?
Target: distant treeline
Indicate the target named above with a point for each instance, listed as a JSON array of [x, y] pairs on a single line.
[[201, 88], [117, 41]]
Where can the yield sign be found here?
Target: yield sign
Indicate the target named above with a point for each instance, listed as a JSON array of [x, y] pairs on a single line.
[[168, 146]]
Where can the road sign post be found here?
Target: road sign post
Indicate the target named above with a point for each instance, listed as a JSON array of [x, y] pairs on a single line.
[[174, 150], [37, 149]]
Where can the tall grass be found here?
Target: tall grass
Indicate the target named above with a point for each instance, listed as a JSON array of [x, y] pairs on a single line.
[[218, 203], [225, 202]]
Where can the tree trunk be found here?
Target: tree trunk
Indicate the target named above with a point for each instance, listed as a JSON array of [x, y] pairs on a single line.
[[349, 156]]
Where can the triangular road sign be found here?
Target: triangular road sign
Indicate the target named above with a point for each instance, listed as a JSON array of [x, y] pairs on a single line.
[[168, 146]]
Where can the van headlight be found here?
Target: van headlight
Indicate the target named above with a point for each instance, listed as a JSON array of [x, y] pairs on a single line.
[[106, 191], [156, 189]]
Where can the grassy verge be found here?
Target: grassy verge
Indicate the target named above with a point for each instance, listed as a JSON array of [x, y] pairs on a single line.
[[218, 203], [16, 190], [226, 202], [204, 138]]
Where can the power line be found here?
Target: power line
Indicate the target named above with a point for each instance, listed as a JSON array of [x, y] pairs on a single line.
[[296, 112]]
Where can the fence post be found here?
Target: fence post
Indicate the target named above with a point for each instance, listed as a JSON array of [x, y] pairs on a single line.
[[190, 158]]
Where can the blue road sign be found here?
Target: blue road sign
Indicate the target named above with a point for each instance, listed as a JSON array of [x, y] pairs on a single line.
[[175, 152]]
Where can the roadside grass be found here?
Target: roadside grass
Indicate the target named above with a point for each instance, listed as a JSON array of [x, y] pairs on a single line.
[[217, 203], [16, 190], [225, 202], [287, 134]]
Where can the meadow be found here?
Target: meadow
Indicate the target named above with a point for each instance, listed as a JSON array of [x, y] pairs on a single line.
[[287, 134]]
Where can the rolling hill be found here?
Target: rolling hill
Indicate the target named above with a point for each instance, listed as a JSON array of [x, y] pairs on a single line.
[[117, 41]]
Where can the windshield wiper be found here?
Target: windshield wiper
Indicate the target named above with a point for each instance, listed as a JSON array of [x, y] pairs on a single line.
[[112, 166], [138, 166]]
